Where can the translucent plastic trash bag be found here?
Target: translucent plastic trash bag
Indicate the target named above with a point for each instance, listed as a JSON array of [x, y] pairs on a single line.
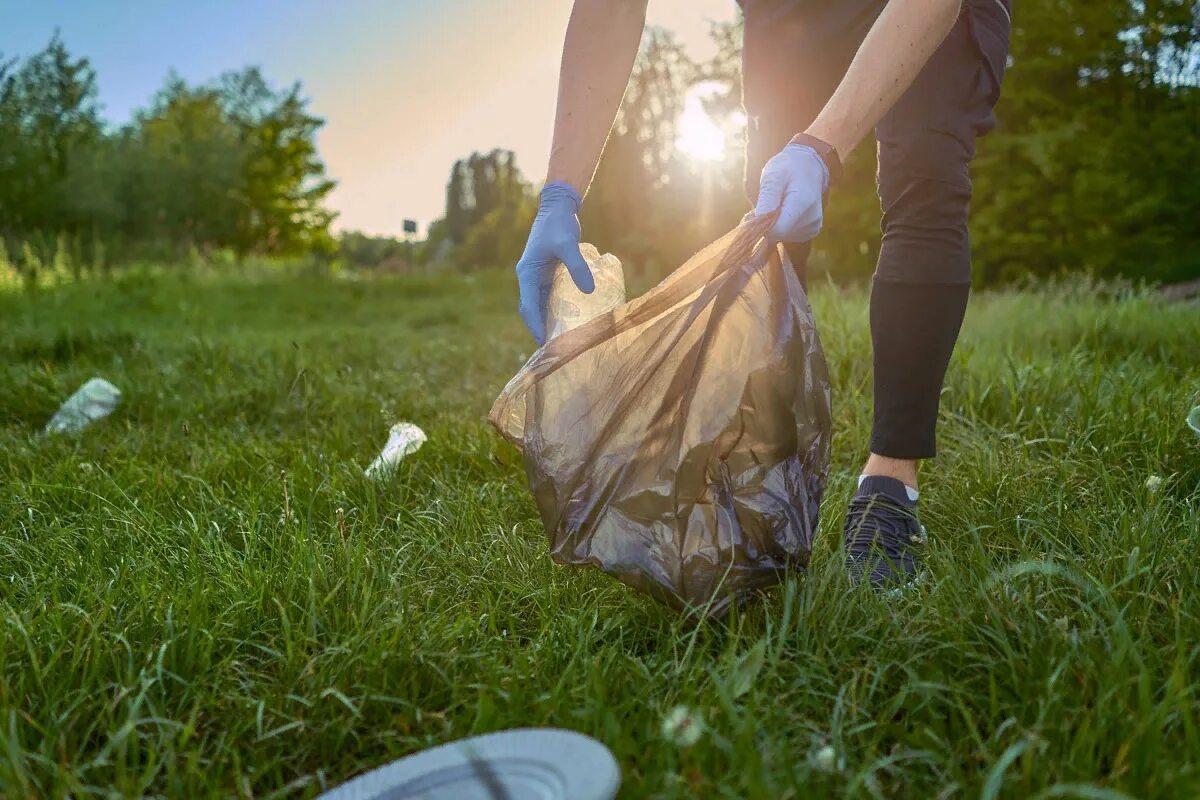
[[680, 442]]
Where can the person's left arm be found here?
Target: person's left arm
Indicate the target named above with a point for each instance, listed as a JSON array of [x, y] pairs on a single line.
[[894, 51]]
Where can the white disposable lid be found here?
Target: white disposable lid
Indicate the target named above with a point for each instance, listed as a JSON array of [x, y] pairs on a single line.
[[523, 764]]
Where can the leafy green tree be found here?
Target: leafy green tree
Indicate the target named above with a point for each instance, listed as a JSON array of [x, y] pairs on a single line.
[[49, 125], [386, 252], [283, 183], [489, 208], [233, 165], [184, 170], [1096, 164], [498, 238]]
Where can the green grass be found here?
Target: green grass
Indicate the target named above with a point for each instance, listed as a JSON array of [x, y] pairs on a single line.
[[202, 596]]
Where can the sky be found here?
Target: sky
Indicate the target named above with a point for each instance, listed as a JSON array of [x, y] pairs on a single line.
[[405, 86]]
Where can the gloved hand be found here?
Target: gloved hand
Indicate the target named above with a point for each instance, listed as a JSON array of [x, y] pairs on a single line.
[[793, 181], [554, 237]]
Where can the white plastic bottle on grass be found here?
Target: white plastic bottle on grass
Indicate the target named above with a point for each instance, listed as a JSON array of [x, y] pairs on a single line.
[[569, 308], [93, 401]]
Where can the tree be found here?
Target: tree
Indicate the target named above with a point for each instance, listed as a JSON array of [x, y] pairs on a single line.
[[386, 252], [489, 208], [283, 183], [185, 167], [1096, 164], [460, 202], [232, 164], [49, 123]]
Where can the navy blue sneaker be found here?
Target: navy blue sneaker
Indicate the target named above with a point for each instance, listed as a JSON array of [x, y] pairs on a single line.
[[883, 534]]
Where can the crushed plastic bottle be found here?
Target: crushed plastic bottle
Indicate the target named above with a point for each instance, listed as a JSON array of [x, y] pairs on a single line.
[[569, 308], [93, 401], [404, 439]]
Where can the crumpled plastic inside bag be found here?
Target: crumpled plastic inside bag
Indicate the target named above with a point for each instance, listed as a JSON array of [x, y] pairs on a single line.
[[680, 442]]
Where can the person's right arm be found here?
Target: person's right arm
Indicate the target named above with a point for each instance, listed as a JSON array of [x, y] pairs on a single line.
[[601, 44]]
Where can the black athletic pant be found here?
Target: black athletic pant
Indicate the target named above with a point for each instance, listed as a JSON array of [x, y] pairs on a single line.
[[794, 56]]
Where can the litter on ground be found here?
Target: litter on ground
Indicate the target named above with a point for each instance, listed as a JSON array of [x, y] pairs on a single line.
[[404, 439], [91, 402]]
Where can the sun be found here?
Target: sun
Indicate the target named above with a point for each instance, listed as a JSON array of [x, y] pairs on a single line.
[[699, 136]]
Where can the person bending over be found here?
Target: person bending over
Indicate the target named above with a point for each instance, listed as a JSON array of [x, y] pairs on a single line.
[[818, 75]]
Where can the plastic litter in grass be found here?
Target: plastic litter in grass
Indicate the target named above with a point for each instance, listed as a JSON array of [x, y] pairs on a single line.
[[404, 439], [544, 763], [826, 759], [683, 726], [568, 308], [93, 401], [1193, 420]]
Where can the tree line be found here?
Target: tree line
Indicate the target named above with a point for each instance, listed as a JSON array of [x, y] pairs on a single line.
[[228, 166], [1095, 165]]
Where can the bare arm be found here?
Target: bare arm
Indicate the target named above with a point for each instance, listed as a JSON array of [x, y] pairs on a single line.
[[601, 45], [903, 38]]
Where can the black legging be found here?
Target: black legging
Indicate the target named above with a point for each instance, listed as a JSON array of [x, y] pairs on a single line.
[[794, 55]]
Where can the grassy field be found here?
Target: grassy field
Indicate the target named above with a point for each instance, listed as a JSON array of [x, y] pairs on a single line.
[[202, 596]]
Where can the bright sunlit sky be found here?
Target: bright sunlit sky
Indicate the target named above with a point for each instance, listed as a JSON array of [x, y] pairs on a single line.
[[405, 86]]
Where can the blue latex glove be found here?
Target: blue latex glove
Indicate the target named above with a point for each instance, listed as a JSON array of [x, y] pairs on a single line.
[[793, 181], [554, 237]]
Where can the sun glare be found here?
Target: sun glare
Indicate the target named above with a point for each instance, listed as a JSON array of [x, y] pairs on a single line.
[[699, 137]]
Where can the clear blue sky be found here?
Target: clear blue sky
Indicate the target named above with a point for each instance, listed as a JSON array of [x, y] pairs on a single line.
[[405, 86]]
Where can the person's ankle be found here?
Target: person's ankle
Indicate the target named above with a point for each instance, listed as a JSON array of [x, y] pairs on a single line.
[[903, 470]]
